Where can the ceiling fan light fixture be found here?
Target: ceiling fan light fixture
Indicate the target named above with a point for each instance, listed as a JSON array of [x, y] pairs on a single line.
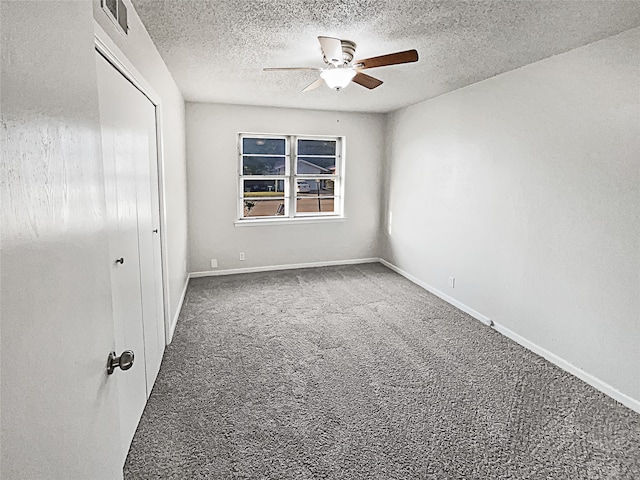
[[338, 78], [338, 55]]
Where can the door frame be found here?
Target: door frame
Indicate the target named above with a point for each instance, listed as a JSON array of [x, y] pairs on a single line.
[[112, 54]]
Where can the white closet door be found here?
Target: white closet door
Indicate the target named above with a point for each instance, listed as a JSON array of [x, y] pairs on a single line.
[[149, 246], [128, 137]]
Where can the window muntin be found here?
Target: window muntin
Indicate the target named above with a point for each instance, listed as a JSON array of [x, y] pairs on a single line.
[[316, 147], [260, 165], [264, 146], [315, 196], [315, 165], [263, 207], [256, 188], [289, 176]]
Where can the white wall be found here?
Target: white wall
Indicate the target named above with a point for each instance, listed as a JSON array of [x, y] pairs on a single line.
[[59, 415], [526, 188], [142, 53], [212, 165]]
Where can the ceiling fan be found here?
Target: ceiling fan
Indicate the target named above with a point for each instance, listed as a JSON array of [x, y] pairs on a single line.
[[341, 69]]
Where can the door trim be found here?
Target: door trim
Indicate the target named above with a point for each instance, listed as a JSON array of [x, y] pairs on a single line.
[[112, 54]]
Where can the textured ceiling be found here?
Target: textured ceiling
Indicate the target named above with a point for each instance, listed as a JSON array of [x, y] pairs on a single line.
[[215, 49]]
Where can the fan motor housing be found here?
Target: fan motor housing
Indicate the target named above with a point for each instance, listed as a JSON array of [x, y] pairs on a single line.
[[348, 50]]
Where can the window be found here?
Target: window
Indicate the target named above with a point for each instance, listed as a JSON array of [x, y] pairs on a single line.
[[289, 176], [117, 13]]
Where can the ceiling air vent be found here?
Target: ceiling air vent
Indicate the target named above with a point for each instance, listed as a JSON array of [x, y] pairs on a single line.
[[117, 12]]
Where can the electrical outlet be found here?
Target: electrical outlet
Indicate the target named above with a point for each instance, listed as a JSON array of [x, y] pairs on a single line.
[[241, 255], [452, 282], [214, 263]]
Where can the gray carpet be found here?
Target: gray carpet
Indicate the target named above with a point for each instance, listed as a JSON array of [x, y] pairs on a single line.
[[353, 372]]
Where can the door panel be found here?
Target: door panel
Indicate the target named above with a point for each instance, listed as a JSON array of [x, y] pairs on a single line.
[[149, 247], [119, 141], [129, 151]]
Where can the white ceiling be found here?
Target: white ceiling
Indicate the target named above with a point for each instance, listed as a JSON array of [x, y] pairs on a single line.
[[215, 49]]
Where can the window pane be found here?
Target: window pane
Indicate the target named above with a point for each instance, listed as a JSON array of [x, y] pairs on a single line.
[[264, 146], [309, 186], [316, 165], [315, 204], [261, 207], [263, 188], [317, 147], [263, 165]]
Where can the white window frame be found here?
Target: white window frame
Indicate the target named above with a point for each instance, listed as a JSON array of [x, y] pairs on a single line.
[[290, 178]]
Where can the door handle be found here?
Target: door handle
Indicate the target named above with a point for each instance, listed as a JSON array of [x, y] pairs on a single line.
[[120, 261], [124, 361]]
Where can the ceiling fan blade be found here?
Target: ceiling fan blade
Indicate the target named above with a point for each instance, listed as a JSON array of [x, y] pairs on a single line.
[[313, 85], [275, 69], [366, 80], [407, 56], [332, 49]]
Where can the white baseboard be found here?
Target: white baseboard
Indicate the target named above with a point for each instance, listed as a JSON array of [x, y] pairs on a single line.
[[438, 293], [269, 268], [174, 322], [595, 382]]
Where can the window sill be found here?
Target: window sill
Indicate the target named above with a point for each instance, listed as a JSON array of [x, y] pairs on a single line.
[[261, 222]]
